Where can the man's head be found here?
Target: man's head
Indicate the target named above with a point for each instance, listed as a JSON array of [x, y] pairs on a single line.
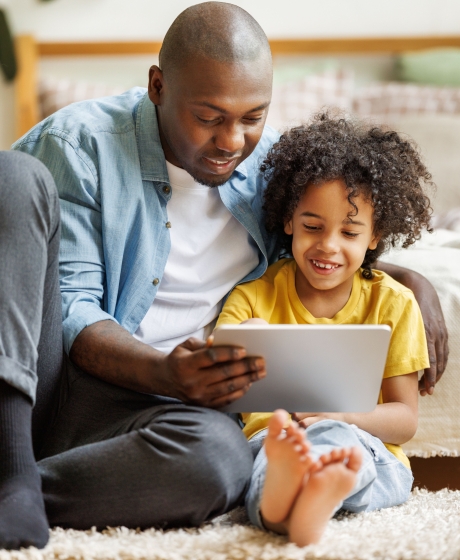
[[212, 90]]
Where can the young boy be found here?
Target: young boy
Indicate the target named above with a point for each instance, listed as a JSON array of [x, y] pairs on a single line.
[[339, 194]]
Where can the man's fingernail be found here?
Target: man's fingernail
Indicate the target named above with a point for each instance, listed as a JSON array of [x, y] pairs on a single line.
[[431, 390], [239, 353], [260, 363]]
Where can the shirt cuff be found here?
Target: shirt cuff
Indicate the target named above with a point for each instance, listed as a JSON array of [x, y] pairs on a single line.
[[83, 316]]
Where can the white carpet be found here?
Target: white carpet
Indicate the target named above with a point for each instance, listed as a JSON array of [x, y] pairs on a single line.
[[426, 527]]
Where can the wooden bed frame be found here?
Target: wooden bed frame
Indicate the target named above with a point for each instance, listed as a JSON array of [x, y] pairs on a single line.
[[28, 52], [434, 473]]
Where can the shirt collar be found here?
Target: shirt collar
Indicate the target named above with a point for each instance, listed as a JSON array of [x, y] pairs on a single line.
[[151, 155], [242, 169]]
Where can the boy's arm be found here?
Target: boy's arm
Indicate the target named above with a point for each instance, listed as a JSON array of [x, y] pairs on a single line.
[[433, 318], [394, 421], [238, 307]]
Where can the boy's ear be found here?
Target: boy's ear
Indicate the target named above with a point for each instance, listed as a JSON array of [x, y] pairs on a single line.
[[288, 227], [374, 242]]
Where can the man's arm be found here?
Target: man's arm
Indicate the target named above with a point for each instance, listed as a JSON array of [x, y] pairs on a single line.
[[193, 372], [433, 318]]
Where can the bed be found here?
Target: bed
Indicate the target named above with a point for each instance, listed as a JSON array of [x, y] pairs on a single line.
[[429, 114]]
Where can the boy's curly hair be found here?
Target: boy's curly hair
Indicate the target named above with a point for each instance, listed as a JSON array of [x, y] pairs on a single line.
[[382, 166]]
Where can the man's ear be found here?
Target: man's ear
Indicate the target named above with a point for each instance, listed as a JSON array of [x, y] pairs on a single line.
[[288, 227], [156, 84], [374, 242]]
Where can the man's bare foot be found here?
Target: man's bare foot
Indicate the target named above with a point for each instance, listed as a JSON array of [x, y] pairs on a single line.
[[288, 461], [321, 494]]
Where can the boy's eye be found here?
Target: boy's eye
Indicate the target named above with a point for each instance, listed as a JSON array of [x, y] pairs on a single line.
[[311, 228], [350, 234]]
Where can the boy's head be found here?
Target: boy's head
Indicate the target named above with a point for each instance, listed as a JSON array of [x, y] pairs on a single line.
[[341, 167]]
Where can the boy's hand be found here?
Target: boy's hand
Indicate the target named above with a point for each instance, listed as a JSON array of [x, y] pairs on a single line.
[[306, 419]]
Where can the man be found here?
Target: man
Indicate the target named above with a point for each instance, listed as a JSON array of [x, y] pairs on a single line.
[[161, 216]]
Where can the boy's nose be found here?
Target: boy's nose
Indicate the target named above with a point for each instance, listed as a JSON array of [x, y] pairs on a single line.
[[328, 244]]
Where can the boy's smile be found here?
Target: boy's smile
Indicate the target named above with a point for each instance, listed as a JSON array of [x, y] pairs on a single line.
[[329, 244]]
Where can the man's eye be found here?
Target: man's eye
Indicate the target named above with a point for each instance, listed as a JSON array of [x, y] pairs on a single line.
[[253, 120], [207, 121]]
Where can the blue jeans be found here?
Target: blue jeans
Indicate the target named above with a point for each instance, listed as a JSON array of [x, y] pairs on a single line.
[[382, 481]]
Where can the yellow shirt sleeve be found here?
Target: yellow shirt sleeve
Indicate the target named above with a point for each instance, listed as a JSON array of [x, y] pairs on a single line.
[[408, 350], [238, 307]]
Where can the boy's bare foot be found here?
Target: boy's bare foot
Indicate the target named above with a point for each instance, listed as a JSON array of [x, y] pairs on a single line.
[[321, 494], [288, 462]]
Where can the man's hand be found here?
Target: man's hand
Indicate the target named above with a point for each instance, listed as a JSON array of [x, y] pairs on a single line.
[[194, 372], [211, 376], [433, 318]]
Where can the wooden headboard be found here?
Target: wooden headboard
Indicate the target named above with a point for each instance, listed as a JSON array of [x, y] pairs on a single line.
[[29, 51]]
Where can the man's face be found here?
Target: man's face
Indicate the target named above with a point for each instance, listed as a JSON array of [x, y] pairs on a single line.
[[211, 114]]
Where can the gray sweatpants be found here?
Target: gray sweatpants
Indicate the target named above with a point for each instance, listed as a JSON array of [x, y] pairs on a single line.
[[107, 455]]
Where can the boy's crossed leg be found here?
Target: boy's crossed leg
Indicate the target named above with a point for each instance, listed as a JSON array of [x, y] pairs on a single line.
[[300, 494]]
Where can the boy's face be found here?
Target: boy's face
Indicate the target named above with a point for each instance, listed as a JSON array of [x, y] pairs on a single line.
[[328, 245]]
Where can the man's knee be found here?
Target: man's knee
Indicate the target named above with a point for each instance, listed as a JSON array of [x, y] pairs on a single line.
[[215, 455], [225, 449], [25, 183]]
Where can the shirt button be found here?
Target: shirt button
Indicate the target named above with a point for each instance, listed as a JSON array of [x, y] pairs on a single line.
[[166, 189], [155, 281], [168, 224]]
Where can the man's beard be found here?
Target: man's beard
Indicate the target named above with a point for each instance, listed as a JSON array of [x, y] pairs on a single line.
[[211, 184], [215, 182], [206, 182]]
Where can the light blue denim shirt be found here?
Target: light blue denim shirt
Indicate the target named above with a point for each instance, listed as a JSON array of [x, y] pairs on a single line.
[[109, 167]]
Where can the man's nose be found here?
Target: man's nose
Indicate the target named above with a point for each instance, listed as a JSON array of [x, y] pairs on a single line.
[[230, 139]]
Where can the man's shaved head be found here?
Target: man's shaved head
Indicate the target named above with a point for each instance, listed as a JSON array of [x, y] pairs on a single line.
[[212, 90], [217, 30]]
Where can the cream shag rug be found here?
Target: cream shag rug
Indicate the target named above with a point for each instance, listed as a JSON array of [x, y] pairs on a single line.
[[426, 527]]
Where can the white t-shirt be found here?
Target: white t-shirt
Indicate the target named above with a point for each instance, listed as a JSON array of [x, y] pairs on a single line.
[[210, 252]]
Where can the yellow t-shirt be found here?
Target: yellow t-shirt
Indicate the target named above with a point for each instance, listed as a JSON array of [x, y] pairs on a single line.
[[382, 300]]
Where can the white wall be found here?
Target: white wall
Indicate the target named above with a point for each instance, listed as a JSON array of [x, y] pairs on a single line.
[[149, 19], [83, 20]]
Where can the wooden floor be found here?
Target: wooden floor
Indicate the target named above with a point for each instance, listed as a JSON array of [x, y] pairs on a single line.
[[436, 473]]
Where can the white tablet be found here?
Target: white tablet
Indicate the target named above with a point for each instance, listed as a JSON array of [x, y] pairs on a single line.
[[311, 368]]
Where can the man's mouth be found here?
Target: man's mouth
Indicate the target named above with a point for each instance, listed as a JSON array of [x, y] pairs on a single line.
[[220, 165], [323, 267]]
